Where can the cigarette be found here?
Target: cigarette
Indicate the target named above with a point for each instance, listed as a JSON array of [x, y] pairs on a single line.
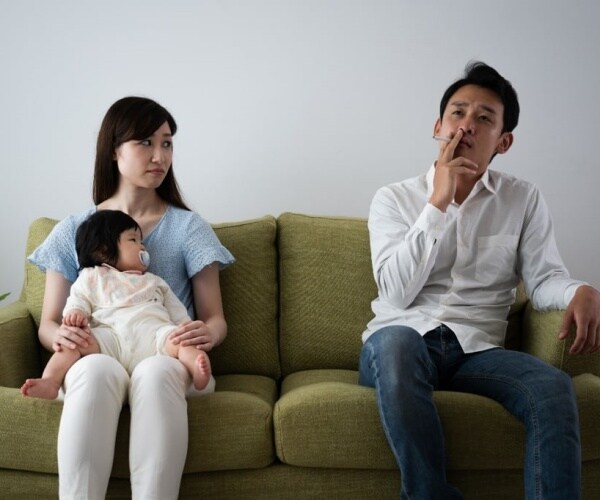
[[440, 138]]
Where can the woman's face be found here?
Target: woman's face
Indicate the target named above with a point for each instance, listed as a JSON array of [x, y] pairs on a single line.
[[144, 163]]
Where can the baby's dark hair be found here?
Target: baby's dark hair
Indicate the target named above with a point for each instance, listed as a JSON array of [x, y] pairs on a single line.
[[97, 238]]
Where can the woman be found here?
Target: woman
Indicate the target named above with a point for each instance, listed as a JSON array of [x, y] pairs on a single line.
[[134, 174]]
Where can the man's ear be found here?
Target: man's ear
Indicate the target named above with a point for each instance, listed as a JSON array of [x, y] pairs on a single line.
[[437, 126], [505, 143]]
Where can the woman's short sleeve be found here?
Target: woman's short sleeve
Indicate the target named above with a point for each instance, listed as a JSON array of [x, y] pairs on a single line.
[[57, 252], [180, 246], [202, 247]]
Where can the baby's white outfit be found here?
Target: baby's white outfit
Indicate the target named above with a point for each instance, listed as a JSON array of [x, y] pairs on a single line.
[[131, 314]]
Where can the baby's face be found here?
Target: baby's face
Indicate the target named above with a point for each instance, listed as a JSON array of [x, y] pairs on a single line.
[[130, 246]]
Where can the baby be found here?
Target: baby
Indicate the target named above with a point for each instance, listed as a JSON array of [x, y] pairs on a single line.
[[129, 311]]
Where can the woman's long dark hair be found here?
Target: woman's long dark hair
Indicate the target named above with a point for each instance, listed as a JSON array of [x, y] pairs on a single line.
[[130, 118]]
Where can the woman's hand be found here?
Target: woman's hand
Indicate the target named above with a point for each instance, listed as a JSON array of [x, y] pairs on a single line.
[[210, 329], [195, 333], [72, 337]]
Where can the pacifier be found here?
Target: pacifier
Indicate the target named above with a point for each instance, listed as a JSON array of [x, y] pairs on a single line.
[[144, 258]]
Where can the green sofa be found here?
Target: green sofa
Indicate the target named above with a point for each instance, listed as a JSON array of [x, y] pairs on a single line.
[[288, 419]]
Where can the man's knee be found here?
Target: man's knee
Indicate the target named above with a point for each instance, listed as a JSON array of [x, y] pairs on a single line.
[[396, 342], [550, 388], [393, 349], [393, 337], [561, 383]]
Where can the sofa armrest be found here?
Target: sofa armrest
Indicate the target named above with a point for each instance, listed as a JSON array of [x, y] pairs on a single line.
[[540, 338], [19, 345]]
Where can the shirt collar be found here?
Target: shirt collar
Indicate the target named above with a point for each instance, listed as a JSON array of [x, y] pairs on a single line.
[[486, 181]]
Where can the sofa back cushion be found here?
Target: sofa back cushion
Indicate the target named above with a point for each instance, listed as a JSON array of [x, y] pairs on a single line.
[[250, 299], [327, 286], [33, 288], [249, 290], [326, 289]]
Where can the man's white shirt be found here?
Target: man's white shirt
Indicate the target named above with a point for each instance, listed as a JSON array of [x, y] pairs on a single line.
[[461, 268]]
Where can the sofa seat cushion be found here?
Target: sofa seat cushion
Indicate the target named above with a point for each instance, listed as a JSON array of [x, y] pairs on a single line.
[[325, 419], [229, 429]]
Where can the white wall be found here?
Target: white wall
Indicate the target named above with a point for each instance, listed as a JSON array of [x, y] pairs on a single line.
[[304, 106]]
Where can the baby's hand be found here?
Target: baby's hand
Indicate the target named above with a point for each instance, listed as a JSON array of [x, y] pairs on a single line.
[[77, 318]]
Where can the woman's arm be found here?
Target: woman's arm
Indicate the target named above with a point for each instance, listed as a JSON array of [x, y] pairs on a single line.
[[53, 334], [210, 329]]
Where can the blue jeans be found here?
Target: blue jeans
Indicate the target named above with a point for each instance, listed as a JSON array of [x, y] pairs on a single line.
[[405, 368]]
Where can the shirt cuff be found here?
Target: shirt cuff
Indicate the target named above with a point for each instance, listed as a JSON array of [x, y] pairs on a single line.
[[570, 291], [432, 221]]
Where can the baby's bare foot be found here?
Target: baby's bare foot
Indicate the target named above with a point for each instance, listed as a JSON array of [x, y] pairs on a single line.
[[202, 371], [40, 388]]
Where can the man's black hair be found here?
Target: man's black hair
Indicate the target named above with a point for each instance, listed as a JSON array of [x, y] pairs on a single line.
[[482, 75], [97, 238]]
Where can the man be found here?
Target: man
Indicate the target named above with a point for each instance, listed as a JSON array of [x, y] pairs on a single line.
[[448, 250]]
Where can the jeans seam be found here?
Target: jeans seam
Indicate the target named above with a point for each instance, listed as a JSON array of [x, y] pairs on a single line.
[[534, 421], [375, 375]]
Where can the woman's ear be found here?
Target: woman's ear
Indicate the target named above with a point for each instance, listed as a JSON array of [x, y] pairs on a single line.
[[505, 143]]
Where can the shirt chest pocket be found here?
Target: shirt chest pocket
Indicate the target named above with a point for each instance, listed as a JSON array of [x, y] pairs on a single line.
[[496, 259]]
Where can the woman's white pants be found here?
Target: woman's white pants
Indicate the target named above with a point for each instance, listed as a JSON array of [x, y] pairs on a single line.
[[95, 389]]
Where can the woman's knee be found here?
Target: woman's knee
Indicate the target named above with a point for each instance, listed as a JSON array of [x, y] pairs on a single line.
[[97, 367], [97, 372], [160, 373]]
